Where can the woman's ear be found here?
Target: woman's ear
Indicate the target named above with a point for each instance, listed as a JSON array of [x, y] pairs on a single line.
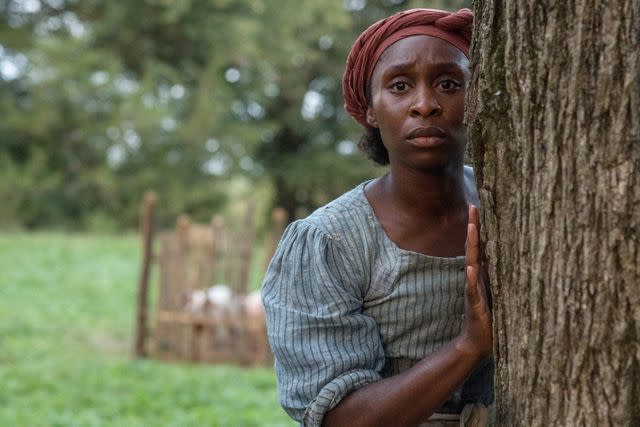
[[371, 118]]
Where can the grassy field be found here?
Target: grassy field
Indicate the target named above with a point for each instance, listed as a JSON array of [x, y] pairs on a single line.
[[66, 315]]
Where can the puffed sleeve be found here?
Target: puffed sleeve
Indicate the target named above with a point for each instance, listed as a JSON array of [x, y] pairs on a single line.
[[324, 346]]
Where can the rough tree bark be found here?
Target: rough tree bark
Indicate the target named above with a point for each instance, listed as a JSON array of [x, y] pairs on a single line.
[[554, 128]]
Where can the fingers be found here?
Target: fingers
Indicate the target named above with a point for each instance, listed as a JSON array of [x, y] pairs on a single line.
[[475, 287], [473, 243], [473, 246], [474, 216], [473, 295], [477, 316]]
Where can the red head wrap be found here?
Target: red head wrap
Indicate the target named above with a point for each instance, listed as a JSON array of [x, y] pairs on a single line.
[[453, 27]]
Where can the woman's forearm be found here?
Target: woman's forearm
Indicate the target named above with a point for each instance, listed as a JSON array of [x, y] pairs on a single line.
[[411, 397]]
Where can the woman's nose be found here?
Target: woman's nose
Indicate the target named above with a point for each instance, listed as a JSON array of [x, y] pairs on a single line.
[[425, 103]]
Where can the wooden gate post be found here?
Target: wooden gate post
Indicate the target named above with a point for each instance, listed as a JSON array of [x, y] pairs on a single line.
[[247, 237], [147, 222], [279, 218]]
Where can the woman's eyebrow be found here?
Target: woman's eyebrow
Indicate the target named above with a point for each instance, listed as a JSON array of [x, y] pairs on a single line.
[[402, 67], [398, 68], [448, 66]]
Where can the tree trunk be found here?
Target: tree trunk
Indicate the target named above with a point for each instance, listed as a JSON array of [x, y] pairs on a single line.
[[554, 129]]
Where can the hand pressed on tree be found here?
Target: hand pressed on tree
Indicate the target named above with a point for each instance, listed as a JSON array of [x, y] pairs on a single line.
[[476, 335]]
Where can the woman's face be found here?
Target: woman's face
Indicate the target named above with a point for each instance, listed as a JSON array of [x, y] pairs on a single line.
[[417, 102]]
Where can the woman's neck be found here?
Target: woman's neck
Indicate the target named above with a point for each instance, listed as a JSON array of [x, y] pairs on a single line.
[[421, 211], [434, 194]]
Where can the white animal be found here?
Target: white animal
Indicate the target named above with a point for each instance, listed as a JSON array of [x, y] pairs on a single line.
[[253, 304], [254, 312], [219, 303], [214, 298]]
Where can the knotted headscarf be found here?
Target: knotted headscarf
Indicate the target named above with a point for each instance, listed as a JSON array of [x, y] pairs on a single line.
[[453, 27]]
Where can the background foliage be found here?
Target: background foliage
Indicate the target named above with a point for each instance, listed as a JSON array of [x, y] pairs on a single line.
[[202, 100], [66, 322]]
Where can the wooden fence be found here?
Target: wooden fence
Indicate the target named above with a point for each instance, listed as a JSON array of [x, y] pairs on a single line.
[[193, 257]]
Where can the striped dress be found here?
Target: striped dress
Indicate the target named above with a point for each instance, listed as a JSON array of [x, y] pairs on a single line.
[[346, 306]]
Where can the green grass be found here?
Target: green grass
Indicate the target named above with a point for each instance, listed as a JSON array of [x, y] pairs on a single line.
[[66, 315]]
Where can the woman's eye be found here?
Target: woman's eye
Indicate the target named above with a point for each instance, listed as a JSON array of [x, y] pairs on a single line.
[[399, 86], [449, 85]]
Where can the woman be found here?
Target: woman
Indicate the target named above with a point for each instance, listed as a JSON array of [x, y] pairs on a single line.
[[372, 316]]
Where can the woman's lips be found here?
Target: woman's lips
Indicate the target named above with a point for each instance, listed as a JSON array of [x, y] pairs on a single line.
[[427, 141], [430, 136]]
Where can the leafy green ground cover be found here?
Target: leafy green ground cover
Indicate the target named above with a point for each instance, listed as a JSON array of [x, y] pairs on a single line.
[[66, 315]]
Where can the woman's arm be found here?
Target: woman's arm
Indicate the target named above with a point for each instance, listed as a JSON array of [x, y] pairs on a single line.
[[411, 397], [324, 346]]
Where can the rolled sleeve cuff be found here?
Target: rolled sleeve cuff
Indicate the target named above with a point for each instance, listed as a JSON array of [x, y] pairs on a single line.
[[332, 393]]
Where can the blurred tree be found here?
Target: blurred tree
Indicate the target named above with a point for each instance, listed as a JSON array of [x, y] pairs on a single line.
[[103, 100]]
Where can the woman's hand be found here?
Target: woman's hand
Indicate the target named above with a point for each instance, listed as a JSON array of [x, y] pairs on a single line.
[[476, 336]]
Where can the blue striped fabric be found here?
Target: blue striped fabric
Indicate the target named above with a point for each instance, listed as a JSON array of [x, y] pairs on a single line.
[[346, 306]]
